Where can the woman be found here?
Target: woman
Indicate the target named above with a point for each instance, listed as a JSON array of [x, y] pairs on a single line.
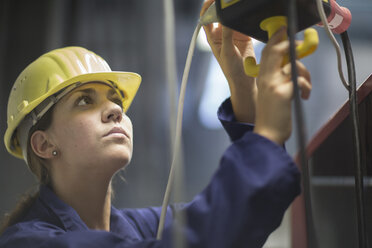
[[74, 135]]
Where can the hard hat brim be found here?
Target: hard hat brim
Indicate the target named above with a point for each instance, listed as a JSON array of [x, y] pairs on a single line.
[[127, 84]]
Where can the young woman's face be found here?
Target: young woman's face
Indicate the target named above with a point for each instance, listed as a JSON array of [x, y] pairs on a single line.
[[90, 129]]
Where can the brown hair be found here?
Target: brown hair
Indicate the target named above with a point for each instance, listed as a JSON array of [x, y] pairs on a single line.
[[38, 167]]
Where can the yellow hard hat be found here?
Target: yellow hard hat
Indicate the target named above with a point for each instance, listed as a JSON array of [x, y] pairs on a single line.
[[52, 73]]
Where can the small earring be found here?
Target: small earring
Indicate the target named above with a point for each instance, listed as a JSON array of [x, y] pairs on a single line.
[[54, 153]]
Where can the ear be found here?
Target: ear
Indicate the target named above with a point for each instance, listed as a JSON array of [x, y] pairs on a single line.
[[40, 144]]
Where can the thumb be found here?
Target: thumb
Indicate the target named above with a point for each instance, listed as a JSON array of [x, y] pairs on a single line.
[[227, 39]]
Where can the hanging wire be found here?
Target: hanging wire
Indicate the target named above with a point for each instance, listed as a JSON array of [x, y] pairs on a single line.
[[170, 65], [323, 18], [172, 88], [178, 137], [354, 114], [351, 88], [300, 124]]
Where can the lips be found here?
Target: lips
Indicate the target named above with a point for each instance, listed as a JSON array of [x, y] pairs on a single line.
[[117, 130]]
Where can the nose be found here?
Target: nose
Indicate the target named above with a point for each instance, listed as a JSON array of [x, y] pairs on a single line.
[[112, 112]]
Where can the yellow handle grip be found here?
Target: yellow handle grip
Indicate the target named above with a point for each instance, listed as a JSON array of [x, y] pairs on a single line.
[[250, 67], [308, 46], [271, 25]]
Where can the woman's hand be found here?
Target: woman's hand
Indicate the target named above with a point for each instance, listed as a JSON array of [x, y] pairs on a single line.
[[230, 49], [275, 90]]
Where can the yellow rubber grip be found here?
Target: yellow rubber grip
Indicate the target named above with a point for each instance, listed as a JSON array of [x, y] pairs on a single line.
[[271, 25]]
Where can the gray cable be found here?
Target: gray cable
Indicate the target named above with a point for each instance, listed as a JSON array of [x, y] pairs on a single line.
[[351, 88], [172, 88], [323, 17], [178, 137], [170, 64]]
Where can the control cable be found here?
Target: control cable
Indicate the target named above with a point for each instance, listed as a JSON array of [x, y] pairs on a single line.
[[351, 88], [300, 126]]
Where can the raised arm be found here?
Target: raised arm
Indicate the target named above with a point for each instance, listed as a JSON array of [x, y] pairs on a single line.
[[230, 48]]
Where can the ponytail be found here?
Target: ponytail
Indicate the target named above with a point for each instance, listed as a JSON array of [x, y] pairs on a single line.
[[19, 211], [39, 168]]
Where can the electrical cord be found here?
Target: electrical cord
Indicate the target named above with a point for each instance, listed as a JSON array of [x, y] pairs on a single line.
[[359, 170], [170, 64], [172, 89], [351, 88], [178, 133], [323, 18], [300, 124]]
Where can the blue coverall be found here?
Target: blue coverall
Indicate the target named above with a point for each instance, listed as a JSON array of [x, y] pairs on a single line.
[[244, 202]]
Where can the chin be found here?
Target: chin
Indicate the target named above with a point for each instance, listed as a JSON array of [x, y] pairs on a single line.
[[119, 160], [113, 157]]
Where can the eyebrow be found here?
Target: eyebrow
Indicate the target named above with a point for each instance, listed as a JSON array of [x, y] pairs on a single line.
[[91, 91]]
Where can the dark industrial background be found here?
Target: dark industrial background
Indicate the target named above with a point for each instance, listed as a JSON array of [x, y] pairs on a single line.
[[129, 34]]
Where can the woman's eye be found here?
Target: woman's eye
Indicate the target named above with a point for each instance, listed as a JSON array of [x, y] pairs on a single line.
[[117, 101], [83, 100]]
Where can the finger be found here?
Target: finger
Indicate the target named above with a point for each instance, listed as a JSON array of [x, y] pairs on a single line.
[[286, 70], [275, 49], [207, 30], [305, 87], [273, 56], [240, 36], [278, 36], [213, 33], [227, 34], [227, 41], [302, 71]]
